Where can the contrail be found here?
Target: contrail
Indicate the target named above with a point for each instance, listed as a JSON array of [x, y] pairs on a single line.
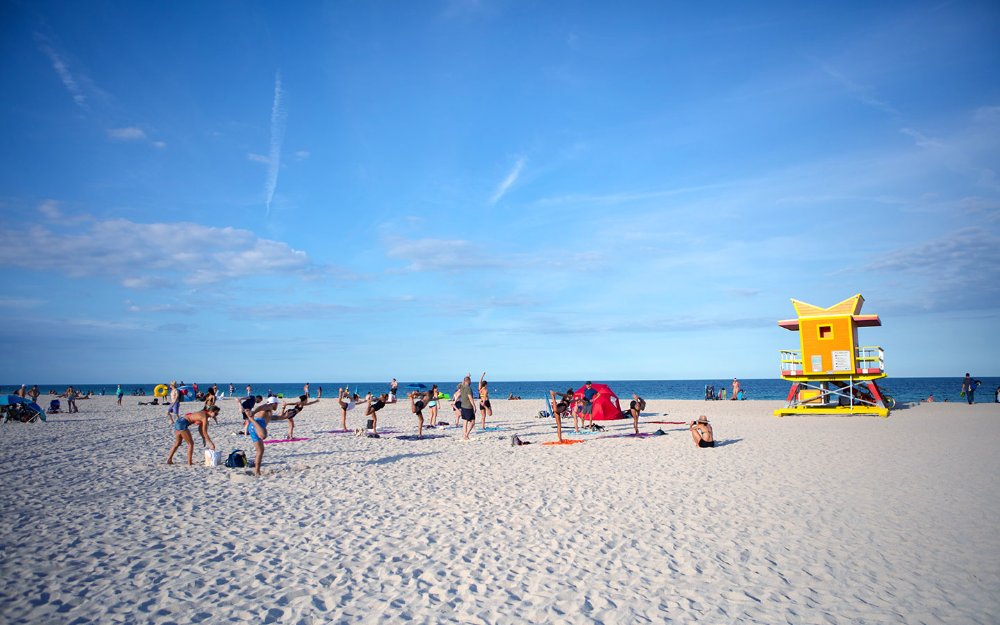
[[277, 136]]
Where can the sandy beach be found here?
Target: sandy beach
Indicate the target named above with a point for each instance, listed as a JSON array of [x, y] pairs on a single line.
[[794, 520]]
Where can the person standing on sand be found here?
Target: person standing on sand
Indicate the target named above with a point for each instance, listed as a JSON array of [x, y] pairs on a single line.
[[181, 433], [256, 429], [305, 389], [71, 400], [467, 406], [249, 390], [969, 388], [701, 432], [432, 404], [485, 408], [635, 408], [290, 413], [590, 395], [736, 388], [560, 403], [119, 393], [393, 388], [418, 401], [173, 403], [319, 392], [344, 400], [371, 411]]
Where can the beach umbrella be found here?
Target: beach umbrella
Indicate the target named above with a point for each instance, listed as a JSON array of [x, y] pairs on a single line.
[[16, 408], [416, 386]]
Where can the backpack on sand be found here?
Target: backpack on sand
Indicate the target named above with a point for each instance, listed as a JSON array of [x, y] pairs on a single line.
[[237, 459]]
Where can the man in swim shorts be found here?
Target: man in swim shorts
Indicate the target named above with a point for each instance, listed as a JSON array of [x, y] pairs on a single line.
[[701, 432], [590, 395], [467, 407], [181, 433]]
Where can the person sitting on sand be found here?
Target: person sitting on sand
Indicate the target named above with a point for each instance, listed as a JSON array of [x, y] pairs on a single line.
[[701, 432], [346, 403], [290, 409], [372, 408], [635, 408], [485, 408], [181, 433]]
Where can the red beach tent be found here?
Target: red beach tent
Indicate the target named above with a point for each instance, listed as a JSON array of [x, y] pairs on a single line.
[[606, 406]]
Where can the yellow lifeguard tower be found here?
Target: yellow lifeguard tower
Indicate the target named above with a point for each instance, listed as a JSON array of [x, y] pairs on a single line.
[[831, 374]]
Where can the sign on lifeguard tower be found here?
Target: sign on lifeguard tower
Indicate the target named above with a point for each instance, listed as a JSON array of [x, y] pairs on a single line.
[[831, 373]]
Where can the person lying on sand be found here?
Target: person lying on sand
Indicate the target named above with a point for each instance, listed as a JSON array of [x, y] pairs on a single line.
[[181, 433], [701, 432], [635, 408], [289, 410]]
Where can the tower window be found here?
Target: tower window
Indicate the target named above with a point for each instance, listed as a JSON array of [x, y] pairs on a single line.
[[825, 332]]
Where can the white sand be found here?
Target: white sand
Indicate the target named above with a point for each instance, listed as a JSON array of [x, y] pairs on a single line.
[[794, 520]]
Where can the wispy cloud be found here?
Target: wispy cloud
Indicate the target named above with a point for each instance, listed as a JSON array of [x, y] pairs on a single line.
[[180, 309], [302, 155], [508, 182], [278, 117], [50, 209], [129, 133], [140, 255], [429, 254], [258, 158], [304, 310], [62, 70], [862, 93]]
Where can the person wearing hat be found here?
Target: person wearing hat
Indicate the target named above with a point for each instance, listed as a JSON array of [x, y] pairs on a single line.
[[701, 432]]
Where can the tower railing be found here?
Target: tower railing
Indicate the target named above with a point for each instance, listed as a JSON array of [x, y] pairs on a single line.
[[867, 359]]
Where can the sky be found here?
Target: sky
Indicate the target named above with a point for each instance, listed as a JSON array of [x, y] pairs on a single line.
[[261, 191]]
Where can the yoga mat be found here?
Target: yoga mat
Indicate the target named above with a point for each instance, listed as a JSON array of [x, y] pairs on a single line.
[[667, 422], [337, 432], [414, 437], [284, 440], [494, 429], [565, 441]]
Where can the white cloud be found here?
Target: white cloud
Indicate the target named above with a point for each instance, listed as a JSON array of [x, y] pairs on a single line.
[[278, 117], [156, 255], [258, 158], [508, 182], [129, 133], [62, 70], [302, 155], [50, 209], [159, 144]]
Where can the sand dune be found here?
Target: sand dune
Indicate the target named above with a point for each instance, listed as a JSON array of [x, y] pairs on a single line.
[[795, 520]]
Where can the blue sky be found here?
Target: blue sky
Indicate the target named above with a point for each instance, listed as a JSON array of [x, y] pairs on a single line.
[[358, 190]]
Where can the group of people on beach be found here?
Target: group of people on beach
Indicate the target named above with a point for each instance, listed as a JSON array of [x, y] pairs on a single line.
[[259, 412]]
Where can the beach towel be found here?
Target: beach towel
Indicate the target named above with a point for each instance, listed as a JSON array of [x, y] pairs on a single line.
[[565, 441]]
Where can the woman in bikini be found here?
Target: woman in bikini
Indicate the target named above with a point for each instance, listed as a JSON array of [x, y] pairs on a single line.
[[432, 405], [181, 433], [560, 403], [345, 402], [635, 408], [485, 409], [289, 411], [701, 432], [372, 409]]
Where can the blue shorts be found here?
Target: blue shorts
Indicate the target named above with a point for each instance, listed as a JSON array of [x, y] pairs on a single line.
[[252, 431], [174, 408], [181, 424]]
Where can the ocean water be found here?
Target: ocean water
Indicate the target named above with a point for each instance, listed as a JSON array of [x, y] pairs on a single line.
[[902, 389]]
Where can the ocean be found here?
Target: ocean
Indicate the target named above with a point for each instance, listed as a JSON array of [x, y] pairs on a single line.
[[902, 389]]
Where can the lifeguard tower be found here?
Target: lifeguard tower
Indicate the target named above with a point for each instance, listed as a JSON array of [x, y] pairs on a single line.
[[831, 374]]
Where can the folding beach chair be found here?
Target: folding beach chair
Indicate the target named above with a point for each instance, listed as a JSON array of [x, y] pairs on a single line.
[[54, 406]]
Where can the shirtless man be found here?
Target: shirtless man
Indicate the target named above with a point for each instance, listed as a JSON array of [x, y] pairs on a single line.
[[561, 402], [290, 410], [701, 432], [635, 408], [485, 409], [181, 433]]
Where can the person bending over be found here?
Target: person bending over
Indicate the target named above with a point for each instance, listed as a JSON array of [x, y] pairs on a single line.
[[635, 408], [257, 431], [290, 410], [701, 432], [246, 407], [371, 411], [345, 403], [181, 433], [560, 404]]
